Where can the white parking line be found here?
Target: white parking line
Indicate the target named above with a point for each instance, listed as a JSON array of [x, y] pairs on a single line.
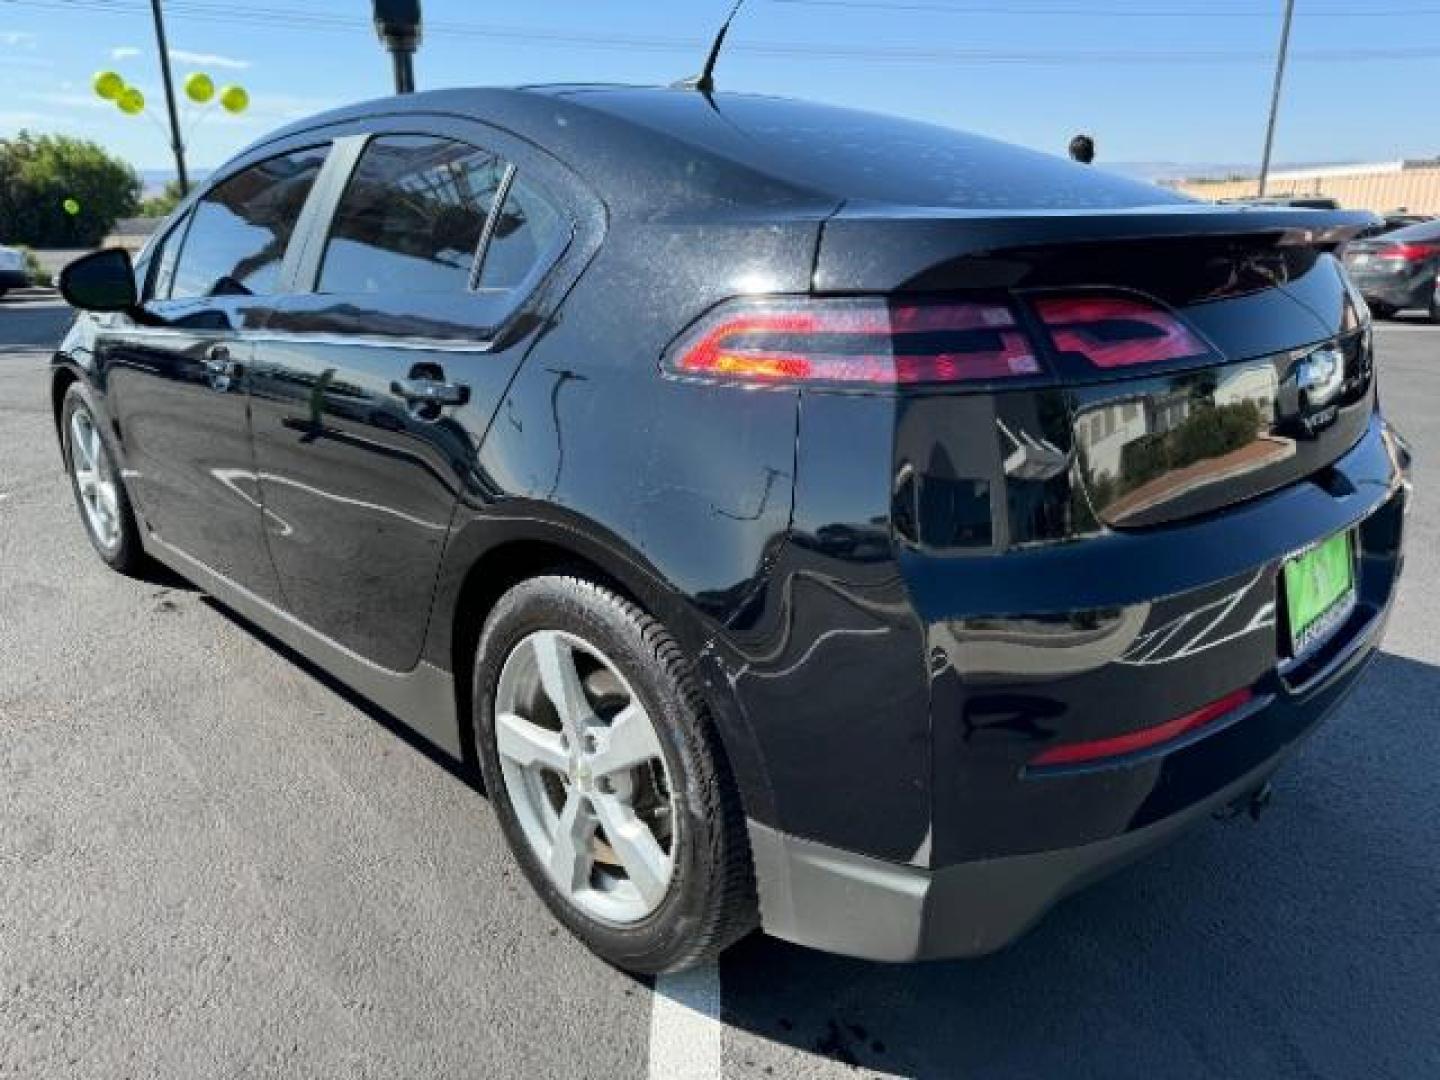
[[685, 1026]]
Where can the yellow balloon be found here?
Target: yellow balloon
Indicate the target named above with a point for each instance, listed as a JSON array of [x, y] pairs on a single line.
[[199, 87], [108, 84], [234, 99], [131, 101]]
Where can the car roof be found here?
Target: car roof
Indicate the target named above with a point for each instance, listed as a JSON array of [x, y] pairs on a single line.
[[653, 147], [1420, 230]]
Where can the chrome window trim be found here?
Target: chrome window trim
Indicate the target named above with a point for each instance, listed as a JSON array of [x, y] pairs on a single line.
[[319, 337], [502, 192]]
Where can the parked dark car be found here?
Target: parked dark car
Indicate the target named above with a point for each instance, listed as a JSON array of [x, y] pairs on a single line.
[[1398, 270], [13, 274], [802, 518], [1389, 222]]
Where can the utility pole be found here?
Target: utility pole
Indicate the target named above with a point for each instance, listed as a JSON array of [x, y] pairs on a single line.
[[1275, 96], [397, 22], [175, 142]]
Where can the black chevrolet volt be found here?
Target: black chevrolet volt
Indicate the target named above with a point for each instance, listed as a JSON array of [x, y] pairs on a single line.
[[803, 519]]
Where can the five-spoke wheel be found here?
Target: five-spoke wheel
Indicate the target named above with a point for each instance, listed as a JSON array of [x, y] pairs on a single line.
[[586, 776], [94, 479], [608, 776], [99, 491]]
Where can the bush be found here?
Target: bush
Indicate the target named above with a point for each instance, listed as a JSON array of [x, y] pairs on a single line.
[[159, 206], [39, 172]]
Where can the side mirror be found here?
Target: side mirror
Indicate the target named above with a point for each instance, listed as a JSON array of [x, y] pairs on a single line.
[[101, 281]]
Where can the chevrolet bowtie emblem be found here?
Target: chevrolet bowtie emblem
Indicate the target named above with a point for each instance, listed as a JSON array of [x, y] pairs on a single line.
[[1320, 376]]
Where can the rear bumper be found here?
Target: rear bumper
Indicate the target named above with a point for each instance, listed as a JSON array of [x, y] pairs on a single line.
[[965, 845], [844, 902], [847, 903]]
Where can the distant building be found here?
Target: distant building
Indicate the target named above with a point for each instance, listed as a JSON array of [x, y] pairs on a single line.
[[131, 233], [1383, 186]]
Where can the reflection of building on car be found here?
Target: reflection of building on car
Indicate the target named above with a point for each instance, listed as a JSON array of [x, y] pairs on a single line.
[[1107, 432]]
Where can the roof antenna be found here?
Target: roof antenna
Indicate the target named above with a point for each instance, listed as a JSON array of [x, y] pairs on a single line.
[[705, 81]]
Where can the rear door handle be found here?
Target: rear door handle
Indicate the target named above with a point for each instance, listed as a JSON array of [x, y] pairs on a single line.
[[431, 392], [218, 361]]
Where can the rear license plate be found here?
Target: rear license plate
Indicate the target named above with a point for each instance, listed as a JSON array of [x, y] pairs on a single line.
[[1319, 591]]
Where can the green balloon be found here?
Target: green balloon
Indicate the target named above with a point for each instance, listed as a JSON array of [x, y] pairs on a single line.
[[131, 101], [199, 87], [108, 84], [234, 99], [71, 207]]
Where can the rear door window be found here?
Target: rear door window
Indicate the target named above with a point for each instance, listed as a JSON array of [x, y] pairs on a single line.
[[527, 234], [411, 218], [240, 230]]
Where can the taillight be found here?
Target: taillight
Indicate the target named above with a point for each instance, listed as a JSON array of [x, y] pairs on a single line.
[[1409, 252], [855, 341], [1134, 742], [1118, 331]]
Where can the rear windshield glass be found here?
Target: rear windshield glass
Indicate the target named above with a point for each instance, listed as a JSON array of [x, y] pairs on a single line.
[[865, 156]]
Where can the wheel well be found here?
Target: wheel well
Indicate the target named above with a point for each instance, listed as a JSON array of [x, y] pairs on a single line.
[[64, 377], [492, 576]]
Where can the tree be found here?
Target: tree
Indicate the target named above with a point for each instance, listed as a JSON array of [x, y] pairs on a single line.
[[159, 206], [38, 173]]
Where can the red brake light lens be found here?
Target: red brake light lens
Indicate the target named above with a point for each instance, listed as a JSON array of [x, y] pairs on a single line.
[[871, 342], [1085, 753], [1118, 331], [1410, 252]]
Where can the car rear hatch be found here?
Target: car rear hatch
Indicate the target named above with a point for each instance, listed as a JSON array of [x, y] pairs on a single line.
[[1185, 358]]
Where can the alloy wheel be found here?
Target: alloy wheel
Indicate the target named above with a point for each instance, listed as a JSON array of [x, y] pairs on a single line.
[[586, 776], [94, 480]]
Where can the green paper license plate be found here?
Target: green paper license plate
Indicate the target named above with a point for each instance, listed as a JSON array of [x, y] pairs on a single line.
[[1319, 592]]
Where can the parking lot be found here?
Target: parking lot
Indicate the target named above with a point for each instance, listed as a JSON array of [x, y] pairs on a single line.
[[215, 862]]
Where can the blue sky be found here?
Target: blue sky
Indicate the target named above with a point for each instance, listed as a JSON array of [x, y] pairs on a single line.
[[1153, 80]]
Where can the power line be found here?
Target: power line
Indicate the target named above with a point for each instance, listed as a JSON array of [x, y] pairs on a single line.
[[1000, 7], [200, 11]]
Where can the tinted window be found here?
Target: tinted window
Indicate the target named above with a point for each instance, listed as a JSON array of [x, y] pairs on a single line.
[[411, 217], [1425, 230], [239, 231], [160, 264], [528, 229]]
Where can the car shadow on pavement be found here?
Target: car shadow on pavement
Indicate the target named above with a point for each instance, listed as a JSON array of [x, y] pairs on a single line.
[[1305, 945], [466, 772]]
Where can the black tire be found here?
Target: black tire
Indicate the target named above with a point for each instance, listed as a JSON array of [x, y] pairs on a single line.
[[1381, 310], [711, 899], [127, 554], [1434, 309]]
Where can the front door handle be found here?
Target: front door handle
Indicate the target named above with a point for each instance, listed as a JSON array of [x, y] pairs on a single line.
[[431, 393], [219, 363]]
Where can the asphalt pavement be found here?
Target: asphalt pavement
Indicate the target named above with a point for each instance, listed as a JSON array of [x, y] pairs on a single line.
[[215, 862]]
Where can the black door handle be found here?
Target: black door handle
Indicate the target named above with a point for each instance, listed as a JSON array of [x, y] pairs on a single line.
[[430, 392], [218, 362]]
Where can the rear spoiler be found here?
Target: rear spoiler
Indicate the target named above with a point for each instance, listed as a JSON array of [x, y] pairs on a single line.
[[875, 248]]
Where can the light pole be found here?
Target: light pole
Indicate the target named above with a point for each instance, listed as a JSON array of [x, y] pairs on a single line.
[[397, 22], [175, 141], [1275, 96]]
